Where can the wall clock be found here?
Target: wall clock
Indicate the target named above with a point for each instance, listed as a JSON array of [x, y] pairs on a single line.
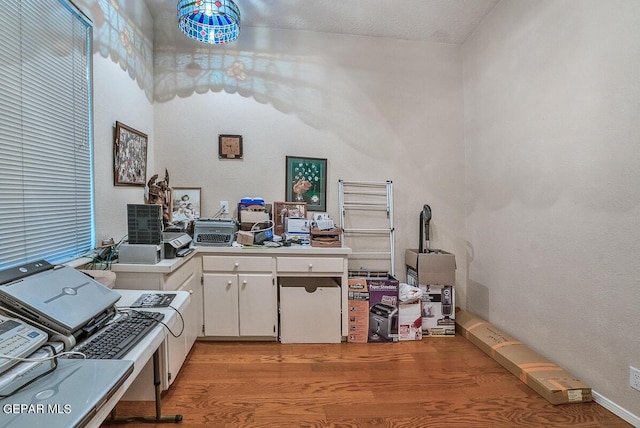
[[229, 146]]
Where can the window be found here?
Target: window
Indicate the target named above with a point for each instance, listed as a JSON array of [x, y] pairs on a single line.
[[46, 177]]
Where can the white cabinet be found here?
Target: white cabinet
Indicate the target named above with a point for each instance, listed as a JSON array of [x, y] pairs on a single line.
[[239, 296], [180, 274], [239, 305], [177, 348]]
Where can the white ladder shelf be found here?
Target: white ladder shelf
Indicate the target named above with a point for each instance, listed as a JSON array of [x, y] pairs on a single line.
[[366, 219]]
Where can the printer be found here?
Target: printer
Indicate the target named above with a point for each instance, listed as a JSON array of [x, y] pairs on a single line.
[[176, 244]]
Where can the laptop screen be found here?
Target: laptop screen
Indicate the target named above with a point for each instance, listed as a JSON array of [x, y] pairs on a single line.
[[63, 299]]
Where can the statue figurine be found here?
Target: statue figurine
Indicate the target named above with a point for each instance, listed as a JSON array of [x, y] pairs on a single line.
[[160, 193]]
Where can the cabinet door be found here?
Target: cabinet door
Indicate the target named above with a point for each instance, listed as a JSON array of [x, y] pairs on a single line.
[[192, 323], [220, 298], [257, 305]]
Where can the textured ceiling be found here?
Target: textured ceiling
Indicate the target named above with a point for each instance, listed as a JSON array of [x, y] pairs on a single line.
[[441, 21]]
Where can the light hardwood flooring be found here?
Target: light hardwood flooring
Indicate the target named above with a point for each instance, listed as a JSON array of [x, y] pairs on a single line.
[[436, 382]]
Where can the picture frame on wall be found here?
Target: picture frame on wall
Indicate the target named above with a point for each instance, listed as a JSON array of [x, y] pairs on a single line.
[[284, 210], [306, 181], [186, 202], [129, 156]]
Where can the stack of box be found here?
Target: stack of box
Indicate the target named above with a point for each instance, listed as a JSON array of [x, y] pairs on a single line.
[[252, 212], [377, 294], [434, 273]]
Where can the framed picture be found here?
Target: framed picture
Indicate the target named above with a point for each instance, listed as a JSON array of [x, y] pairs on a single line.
[[229, 146], [186, 203], [284, 210], [306, 181], [129, 157]]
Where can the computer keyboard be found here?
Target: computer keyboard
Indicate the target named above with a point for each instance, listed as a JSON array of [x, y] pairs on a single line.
[[118, 338]]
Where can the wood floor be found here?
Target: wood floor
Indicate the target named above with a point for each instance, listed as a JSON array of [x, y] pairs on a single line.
[[436, 382]]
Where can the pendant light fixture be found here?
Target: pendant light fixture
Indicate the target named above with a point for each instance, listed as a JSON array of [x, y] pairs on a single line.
[[209, 21]]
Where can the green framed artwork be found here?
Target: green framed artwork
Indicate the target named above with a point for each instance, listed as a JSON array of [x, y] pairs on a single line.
[[306, 181]]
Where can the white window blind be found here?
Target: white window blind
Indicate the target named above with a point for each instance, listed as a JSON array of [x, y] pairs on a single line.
[[46, 193]]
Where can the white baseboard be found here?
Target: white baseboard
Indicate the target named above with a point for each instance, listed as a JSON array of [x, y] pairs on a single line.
[[615, 409]]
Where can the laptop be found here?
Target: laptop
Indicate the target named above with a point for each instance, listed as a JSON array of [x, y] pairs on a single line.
[[67, 397], [61, 298]]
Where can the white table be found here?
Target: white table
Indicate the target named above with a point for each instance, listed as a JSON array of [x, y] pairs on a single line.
[[144, 351]]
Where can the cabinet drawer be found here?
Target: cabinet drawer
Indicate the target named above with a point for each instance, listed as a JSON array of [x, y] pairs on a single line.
[[310, 264], [236, 264]]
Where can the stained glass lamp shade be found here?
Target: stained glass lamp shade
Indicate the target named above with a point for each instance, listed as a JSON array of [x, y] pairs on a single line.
[[209, 21]]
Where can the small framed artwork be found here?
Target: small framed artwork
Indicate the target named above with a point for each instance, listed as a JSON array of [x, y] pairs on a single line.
[[186, 203], [129, 157], [306, 181], [229, 146], [284, 210]]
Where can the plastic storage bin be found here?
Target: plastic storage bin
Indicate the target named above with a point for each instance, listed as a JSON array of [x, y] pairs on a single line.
[[310, 310]]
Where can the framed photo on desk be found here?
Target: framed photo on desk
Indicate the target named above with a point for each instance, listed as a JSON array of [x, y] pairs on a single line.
[[186, 203]]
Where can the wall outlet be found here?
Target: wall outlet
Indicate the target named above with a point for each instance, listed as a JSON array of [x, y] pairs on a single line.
[[224, 205], [634, 378]]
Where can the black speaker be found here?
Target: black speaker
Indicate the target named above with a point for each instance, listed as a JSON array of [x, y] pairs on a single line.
[[144, 223]]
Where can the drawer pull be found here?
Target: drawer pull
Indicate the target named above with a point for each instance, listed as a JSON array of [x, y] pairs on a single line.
[[310, 265], [236, 264]]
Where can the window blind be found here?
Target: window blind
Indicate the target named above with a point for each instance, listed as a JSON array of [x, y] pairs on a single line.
[[46, 194]]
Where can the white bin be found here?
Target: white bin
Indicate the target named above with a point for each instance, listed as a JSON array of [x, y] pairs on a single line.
[[310, 310]]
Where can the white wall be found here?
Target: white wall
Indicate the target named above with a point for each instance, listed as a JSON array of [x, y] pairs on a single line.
[[552, 123], [550, 156], [117, 98], [377, 109], [122, 91]]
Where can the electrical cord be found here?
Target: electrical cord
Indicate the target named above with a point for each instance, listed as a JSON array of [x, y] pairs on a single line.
[[53, 357], [42, 359], [105, 263]]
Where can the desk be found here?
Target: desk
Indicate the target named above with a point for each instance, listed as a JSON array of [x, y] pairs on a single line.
[[144, 351], [177, 274], [240, 287], [147, 348], [235, 289]]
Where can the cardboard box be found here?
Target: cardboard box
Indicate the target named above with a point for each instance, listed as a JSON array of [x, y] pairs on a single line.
[[358, 302], [438, 310], [430, 268], [550, 381], [244, 237], [383, 309], [409, 321]]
